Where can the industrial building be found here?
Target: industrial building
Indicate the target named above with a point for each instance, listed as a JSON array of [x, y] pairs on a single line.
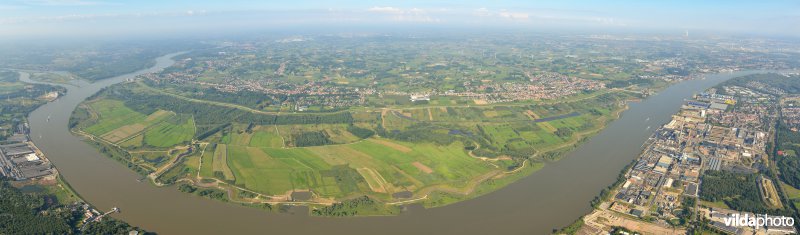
[[21, 162]]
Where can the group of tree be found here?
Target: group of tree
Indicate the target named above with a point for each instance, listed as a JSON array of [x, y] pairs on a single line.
[[311, 138], [212, 118], [207, 193], [687, 206], [111, 226], [252, 99], [625, 83], [187, 188], [20, 213], [789, 84], [347, 208], [28, 213], [788, 141], [420, 132], [360, 132], [121, 156], [739, 191], [563, 132]]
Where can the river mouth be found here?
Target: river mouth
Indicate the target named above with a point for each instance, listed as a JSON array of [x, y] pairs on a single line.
[[550, 198]]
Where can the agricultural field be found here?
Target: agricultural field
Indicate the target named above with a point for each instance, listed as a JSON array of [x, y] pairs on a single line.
[[220, 163], [445, 149], [266, 137], [115, 123], [111, 115], [383, 167], [207, 161], [170, 133], [152, 141], [792, 194], [395, 136]]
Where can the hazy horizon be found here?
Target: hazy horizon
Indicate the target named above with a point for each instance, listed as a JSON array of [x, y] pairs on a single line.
[[77, 19], [399, 117]]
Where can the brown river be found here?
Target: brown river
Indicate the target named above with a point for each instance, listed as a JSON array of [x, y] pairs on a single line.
[[550, 198]]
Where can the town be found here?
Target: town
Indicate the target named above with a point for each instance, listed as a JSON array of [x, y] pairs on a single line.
[[716, 147], [307, 76]]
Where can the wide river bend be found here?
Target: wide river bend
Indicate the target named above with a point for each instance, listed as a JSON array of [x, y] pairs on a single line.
[[550, 198]]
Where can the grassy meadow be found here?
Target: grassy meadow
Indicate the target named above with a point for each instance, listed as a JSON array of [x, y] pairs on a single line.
[[443, 153]]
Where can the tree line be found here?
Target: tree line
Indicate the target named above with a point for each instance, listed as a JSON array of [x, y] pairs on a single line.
[[212, 118], [346, 208], [311, 138], [29, 213], [788, 141]]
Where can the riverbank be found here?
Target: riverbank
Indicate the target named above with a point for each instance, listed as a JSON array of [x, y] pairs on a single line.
[[62, 209], [565, 186], [669, 175], [577, 118]]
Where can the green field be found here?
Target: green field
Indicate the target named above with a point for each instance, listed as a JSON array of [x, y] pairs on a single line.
[[170, 133], [117, 123], [133, 142], [266, 137], [162, 129], [207, 167], [382, 169], [791, 192], [220, 163], [112, 114], [255, 156], [245, 162], [445, 153]]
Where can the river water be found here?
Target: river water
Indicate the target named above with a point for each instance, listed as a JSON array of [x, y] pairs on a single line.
[[550, 198]]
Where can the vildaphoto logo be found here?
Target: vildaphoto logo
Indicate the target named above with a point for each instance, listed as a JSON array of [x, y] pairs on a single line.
[[758, 221]]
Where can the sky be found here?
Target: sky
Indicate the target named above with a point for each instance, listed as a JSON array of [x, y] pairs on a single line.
[[88, 18]]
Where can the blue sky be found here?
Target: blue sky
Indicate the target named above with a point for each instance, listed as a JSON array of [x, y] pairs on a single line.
[[43, 18]]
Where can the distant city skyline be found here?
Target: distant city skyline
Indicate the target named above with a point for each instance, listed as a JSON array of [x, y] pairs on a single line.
[[44, 18]]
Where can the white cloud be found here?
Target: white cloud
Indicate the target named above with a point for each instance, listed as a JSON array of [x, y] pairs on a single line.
[[514, 15], [408, 15], [501, 14], [389, 10], [546, 16], [483, 12]]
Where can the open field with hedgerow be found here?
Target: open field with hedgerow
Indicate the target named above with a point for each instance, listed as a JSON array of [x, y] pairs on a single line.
[[147, 137], [390, 154]]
